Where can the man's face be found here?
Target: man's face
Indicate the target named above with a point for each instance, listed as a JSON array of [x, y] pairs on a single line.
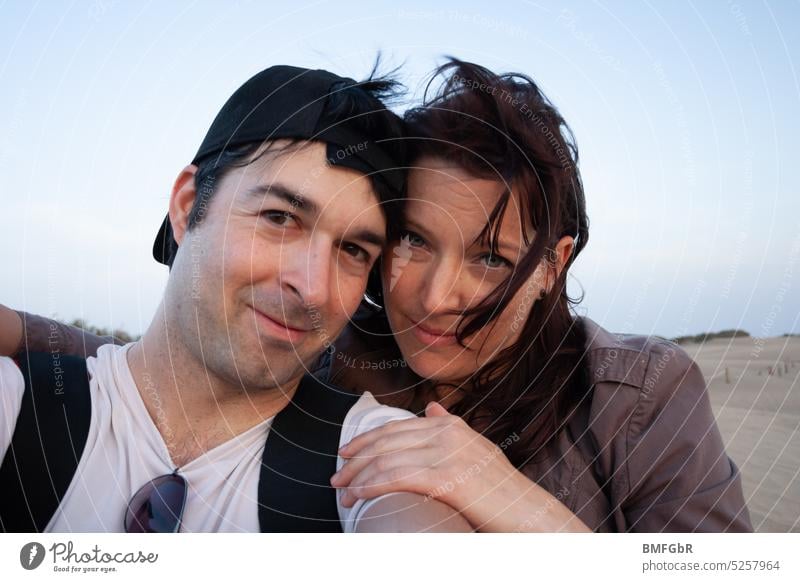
[[275, 266]]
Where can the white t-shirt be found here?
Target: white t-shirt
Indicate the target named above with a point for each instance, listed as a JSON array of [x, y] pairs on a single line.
[[124, 450]]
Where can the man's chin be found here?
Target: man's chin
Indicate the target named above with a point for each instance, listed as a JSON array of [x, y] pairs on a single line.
[[263, 374], [287, 355], [272, 348]]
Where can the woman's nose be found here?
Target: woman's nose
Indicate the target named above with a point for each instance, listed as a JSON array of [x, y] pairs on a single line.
[[445, 286]]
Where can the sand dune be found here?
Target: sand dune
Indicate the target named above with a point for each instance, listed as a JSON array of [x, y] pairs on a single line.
[[758, 413]]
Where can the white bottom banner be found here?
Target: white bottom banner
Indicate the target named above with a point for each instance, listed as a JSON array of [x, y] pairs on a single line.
[[406, 557]]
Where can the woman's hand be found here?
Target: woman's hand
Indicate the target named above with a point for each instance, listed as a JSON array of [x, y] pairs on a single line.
[[441, 457]]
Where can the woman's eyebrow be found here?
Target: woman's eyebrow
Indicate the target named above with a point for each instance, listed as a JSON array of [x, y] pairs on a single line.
[[411, 223], [483, 240], [508, 245]]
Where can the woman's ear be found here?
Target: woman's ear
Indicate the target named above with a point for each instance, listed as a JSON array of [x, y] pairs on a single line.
[[559, 259], [181, 202], [563, 253]]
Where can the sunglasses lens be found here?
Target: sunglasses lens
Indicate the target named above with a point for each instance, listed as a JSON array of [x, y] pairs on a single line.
[[158, 506]]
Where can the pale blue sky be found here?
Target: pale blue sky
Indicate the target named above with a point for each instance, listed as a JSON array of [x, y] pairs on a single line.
[[686, 115]]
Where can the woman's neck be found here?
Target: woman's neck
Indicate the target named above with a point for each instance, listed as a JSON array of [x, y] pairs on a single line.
[[444, 392]]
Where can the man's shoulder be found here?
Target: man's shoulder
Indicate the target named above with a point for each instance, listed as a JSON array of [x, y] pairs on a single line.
[[367, 413], [12, 383], [41, 368], [8, 365], [110, 363], [363, 412]]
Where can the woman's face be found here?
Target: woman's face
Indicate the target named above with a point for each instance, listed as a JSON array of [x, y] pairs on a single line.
[[439, 268]]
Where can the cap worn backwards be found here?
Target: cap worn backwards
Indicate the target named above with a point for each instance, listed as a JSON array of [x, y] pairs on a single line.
[[292, 102]]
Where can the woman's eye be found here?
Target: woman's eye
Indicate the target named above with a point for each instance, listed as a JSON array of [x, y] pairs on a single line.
[[356, 252], [278, 217], [495, 261], [412, 239]]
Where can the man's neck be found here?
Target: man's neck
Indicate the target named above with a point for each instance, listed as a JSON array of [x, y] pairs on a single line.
[[193, 408]]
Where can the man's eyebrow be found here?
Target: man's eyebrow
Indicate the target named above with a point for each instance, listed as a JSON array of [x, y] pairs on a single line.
[[302, 203], [295, 199], [367, 236]]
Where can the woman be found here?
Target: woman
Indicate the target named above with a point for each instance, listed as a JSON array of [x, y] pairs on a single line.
[[534, 419], [551, 423]]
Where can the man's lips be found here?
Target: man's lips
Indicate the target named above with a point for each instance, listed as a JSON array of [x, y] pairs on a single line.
[[430, 336], [279, 329]]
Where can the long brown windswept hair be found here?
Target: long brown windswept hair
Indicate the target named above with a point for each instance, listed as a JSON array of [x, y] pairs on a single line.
[[502, 127]]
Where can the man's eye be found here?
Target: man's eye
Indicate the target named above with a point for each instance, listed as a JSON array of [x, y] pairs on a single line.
[[494, 261], [356, 252], [278, 217], [411, 238]]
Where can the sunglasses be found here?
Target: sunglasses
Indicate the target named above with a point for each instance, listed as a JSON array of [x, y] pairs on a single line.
[[158, 506]]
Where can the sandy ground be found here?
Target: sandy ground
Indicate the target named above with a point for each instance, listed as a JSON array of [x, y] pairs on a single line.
[[759, 416]]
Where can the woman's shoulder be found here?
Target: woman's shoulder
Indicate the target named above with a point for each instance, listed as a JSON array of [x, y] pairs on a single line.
[[636, 361], [636, 380], [655, 439]]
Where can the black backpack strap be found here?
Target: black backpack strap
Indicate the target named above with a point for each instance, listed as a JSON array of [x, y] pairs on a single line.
[[48, 440], [294, 490]]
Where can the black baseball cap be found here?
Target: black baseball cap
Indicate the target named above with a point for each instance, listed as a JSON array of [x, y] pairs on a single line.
[[293, 102]]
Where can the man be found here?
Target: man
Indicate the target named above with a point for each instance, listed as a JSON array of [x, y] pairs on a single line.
[[271, 235]]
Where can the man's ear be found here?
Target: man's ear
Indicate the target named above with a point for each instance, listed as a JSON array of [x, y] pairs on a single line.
[[181, 201]]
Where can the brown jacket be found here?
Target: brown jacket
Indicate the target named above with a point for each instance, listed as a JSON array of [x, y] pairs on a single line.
[[642, 453]]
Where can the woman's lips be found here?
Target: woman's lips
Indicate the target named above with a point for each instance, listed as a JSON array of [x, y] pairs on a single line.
[[430, 337], [278, 329]]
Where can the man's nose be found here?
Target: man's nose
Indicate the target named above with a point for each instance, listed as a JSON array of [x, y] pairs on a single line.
[[307, 271]]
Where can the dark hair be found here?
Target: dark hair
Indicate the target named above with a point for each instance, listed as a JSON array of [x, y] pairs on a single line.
[[359, 106], [502, 127]]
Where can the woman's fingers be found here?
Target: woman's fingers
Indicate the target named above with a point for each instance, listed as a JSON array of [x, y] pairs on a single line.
[[402, 471], [380, 447], [355, 445], [433, 409]]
